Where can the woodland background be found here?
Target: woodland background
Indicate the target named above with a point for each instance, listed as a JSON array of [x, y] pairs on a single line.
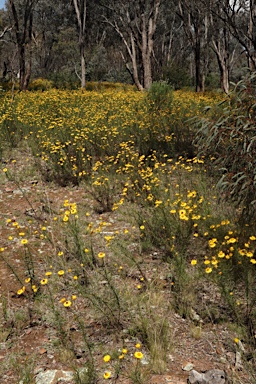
[[204, 44]]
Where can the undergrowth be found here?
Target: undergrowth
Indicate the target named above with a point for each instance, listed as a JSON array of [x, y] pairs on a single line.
[[147, 238]]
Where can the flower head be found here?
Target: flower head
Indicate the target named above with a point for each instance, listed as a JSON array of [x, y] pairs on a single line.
[[34, 288], [67, 303], [101, 255], [212, 242], [63, 300], [21, 291], [107, 358], [107, 375], [138, 355]]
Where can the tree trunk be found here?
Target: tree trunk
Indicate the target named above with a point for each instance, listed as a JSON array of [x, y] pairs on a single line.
[[199, 77], [136, 30], [80, 9], [224, 71], [83, 68], [252, 37], [24, 40], [147, 33], [222, 56], [147, 71]]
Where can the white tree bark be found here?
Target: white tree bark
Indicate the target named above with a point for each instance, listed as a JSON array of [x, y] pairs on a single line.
[[80, 9], [136, 25]]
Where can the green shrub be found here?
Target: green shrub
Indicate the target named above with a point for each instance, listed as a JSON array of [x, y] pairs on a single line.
[[228, 139], [159, 97], [177, 77], [40, 85]]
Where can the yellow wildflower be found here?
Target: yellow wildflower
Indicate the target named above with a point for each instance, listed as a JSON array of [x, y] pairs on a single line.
[[21, 291], [67, 303], [107, 375], [138, 355]]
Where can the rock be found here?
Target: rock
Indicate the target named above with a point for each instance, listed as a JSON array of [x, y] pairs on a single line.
[[195, 377], [213, 376], [194, 316], [238, 363], [240, 345], [188, 367], [54, 376]]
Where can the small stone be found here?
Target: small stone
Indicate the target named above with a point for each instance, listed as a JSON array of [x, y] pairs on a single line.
[[238, 363], [188, 367], [144, 361], [240, 345], [194, 316], [223, 360], [195, 377], [54, 376], [213, 376]]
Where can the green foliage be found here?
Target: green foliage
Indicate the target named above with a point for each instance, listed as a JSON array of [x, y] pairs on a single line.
[[176, 76], [40, 85], [159, 97], [212, 81], [101, 86], [64, 80], [12, 131], [228, 139]]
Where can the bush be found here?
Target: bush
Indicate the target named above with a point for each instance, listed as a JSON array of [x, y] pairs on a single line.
[[40, 85], [160, 97], [177, 77], [229, 140]]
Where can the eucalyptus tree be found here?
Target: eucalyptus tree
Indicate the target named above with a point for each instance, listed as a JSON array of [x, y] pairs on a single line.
[[21, 14], [196, 27], [240, 17], [80, 10], [54, 37], [221, 39], [135, 22], [172, 50]]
